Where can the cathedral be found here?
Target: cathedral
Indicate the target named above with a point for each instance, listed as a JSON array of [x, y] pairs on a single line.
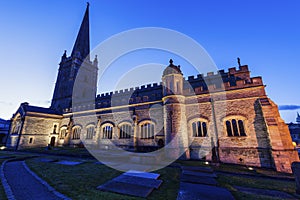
[[222, 116]]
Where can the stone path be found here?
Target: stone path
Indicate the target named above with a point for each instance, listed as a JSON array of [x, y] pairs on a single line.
[[199, 183], [25, 185]]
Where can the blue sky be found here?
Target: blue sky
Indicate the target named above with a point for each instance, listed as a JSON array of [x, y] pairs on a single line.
[[264, 34]]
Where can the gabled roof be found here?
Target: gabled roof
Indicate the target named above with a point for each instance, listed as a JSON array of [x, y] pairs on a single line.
[[25, 107], [29, 108]]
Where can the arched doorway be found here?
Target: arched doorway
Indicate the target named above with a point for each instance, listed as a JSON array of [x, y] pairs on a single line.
[[52, 141]]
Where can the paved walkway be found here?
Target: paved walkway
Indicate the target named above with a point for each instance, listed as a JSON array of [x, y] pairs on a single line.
[[25, 186]]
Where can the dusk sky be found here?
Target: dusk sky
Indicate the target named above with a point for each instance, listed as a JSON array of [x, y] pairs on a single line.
[[264, 34]]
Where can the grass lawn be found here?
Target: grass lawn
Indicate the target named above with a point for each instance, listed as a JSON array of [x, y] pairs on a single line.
[[67, 151], [229, 181], [80, 181]]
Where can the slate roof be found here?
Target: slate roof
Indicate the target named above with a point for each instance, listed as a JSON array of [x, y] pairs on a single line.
[[29, 108]]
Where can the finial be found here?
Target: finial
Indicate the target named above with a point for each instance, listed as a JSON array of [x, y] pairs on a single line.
[[96, 60], [239, 61], [179, 66], [171, 62], [64, 55], [88, 4]]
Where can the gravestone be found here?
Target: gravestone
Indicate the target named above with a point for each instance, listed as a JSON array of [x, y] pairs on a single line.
[[67, 162], [199, 174], [147, 182], [142, 174], [126, 188], [192, 191], [48, 160], [134, 183], [198, 169]]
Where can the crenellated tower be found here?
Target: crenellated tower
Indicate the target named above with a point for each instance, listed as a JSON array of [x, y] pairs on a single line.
[[79, 60], [175, 123]]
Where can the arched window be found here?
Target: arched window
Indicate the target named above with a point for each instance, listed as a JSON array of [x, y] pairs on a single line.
[[76, 133], [199, 129], [63, 133], [90, 132], [147, 130], [235, 127], [125, 131], [54, 128], [107, 131]]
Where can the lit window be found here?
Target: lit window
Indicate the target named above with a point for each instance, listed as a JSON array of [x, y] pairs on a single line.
[[76, 133], [90, 132], [199, 129], [147, 131], [235, 127], [63, 133], [125, 131], [107, 132]]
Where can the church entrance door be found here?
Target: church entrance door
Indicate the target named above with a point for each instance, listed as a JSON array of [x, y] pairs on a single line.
[[52, 142]]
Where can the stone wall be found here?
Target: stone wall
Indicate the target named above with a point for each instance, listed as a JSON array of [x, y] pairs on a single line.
[[37, 131]]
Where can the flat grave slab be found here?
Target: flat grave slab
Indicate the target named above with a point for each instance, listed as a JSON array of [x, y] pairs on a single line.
[[192, 191], [6, 157], [198, 169], [133, 167], [67, 162], [48, 160], [147, 182], [126, 188], [142, 174], [199, 174], [200, 180]]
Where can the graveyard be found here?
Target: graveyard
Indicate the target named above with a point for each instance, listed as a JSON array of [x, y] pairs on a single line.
[[75, 174]]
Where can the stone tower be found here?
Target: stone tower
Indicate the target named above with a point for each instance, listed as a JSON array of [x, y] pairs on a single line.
[[70, 66], [175, 124]]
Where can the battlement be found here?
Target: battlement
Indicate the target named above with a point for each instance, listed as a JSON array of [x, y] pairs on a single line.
[[143, 93], [140, 89], [221, 80], [200, 84], [243, 70]]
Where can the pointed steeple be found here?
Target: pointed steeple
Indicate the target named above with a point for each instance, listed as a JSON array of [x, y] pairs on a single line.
[[82, 44], [298, 118]]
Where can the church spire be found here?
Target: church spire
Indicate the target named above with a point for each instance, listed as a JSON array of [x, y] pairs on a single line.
[[82, 44], [298, 118]]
